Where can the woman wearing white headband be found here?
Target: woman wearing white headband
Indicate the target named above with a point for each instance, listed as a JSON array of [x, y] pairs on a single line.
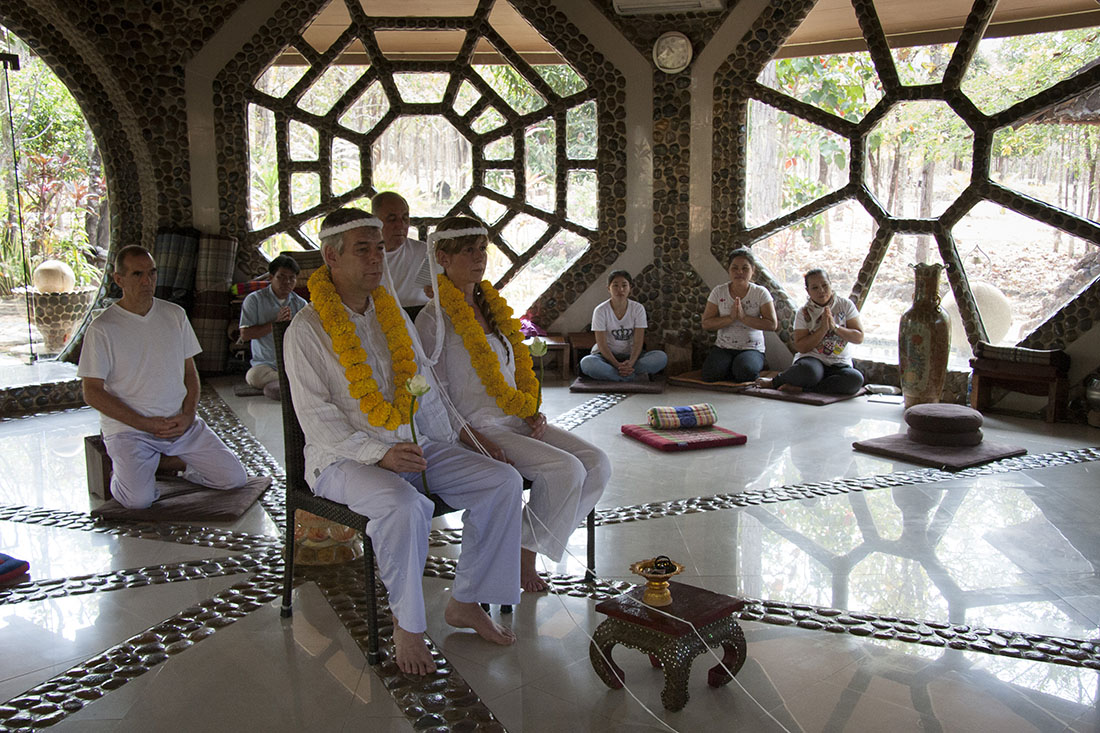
[[486, 370], [350, 356]]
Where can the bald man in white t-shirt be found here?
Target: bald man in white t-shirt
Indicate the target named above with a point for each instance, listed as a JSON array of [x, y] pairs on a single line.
[[137, 368], [405, 257]]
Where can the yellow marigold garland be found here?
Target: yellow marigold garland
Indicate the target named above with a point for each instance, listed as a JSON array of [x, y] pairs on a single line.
[[353, 357], [521, 401]]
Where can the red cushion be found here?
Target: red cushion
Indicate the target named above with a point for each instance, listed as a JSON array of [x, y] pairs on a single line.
[[681, 439]]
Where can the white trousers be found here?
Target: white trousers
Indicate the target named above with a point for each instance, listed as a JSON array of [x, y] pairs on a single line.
[[260, 375], [567, 474], [135, 455], [488, 492]]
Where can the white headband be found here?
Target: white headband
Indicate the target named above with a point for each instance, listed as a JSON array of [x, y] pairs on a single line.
[[332, 231], [456, 233]]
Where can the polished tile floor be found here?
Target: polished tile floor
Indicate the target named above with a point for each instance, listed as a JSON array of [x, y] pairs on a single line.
[[1010, 553]]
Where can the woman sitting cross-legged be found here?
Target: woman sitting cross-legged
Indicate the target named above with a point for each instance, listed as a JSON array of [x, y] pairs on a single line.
[[740, 311], [483, 366], [619, 324], [823, 328]]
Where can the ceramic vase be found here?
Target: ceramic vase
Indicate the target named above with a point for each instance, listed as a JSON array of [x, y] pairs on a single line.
[[55, 315], [924, 340]]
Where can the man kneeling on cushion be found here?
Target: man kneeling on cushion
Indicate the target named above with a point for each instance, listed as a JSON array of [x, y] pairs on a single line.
[[138, 369]]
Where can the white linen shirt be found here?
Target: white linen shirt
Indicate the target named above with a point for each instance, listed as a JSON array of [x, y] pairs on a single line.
[[334, 426], [460, 380]]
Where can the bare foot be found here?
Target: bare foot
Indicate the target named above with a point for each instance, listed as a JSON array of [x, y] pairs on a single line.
[[471, 616], [763, 382], [529, 578], [413, 655], [793, 389]]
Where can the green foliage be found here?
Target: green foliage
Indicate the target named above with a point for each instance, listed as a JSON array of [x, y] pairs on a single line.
[[511, 86], [562, 78], [1003, 72], [580, 130], [842, 84], [60, 190], [1007, 70]]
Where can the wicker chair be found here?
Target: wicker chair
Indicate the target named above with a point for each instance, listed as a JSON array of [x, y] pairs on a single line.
[[299, 496]]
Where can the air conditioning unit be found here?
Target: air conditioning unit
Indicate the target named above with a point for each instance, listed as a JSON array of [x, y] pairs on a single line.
[[652, 7]]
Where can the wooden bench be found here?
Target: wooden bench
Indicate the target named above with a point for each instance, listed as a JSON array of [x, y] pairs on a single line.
[[1035, 379]]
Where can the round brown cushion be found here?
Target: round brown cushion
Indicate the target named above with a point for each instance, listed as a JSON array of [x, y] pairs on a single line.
[[937, 417], [959, 440]]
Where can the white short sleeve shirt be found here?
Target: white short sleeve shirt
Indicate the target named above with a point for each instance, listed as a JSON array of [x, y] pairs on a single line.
[[620, 331], [832, 349], [739, 336], [140, 359]]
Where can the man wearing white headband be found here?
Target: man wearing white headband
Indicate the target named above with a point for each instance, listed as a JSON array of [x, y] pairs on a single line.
[[349, 356], [405, 258]]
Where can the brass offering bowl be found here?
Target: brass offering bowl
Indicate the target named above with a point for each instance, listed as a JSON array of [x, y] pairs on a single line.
[[657, 571]]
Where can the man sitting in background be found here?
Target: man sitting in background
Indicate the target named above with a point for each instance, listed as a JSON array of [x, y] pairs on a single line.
[[138, 369], [405, 258], [260, 312]]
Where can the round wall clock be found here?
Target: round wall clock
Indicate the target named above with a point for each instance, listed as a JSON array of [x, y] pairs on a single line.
[[672, 52]]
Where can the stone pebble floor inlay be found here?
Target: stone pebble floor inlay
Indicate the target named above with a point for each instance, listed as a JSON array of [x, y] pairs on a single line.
[[442, 701], [1036, 647], [793, 492]]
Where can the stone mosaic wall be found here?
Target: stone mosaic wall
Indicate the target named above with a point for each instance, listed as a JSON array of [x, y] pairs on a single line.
[[736, 84], [669, 287], [124, 63], [604, 84]]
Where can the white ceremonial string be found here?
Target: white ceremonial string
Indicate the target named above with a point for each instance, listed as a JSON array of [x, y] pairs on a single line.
[[435, 270], [370, 221], [527, 516], [462, 422], [387, 283], [530, 515]]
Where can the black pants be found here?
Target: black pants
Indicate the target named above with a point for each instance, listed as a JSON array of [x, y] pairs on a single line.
[[814, 375]]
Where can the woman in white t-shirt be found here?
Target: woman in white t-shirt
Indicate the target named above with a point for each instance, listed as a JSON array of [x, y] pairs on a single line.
[[619, 324], [740, 311], [823, 328]]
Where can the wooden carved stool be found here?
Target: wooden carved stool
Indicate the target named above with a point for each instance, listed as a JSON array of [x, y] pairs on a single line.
[[671, 644]]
